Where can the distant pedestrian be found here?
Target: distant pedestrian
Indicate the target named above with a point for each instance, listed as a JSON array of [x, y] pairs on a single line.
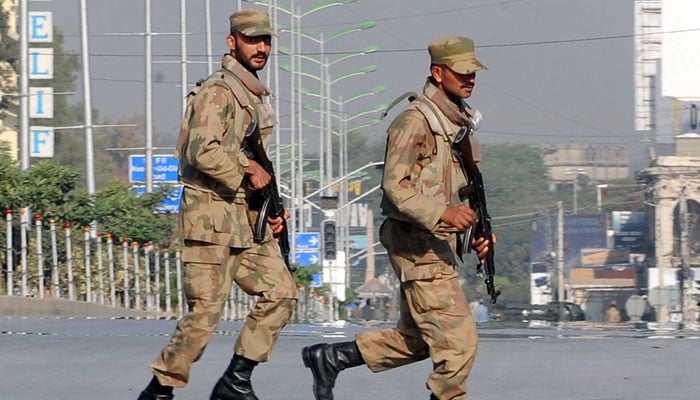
[[482, 312], [612, 315], [368, 310]]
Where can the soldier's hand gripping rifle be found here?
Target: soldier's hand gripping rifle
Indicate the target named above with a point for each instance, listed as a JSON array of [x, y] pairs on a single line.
[[272, 205], [477, 201]]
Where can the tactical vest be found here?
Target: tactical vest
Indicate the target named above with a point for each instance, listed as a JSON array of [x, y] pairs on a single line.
[[444, 131], [247, 105]]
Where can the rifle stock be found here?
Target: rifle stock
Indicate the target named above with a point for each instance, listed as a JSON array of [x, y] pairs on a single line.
[[477, 201], [272, 205]]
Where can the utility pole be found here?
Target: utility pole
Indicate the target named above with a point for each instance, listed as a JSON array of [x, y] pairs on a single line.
[[24, 85], [370, 272], [601, 190], [560, 259], [87, 93], [149, 97], [689, 304]]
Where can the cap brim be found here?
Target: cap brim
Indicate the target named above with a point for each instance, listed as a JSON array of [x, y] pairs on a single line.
[[258, 32], [467, 66]]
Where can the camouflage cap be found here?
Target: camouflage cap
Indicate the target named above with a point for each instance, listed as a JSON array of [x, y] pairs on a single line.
[[457, 53], [251, 22]]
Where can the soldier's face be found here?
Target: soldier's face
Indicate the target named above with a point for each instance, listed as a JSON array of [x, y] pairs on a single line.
[[456, 86], [252, 52]]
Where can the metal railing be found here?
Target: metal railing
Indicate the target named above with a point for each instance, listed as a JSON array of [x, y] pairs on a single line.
[[100, 269]]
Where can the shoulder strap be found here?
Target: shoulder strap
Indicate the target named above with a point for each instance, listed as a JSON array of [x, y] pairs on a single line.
[[244, 99], [410, 95], [189, 110], [240, 93], [428, 109], [225, 79]]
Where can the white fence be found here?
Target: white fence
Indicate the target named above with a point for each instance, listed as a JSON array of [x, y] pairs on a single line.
[[119, 273]]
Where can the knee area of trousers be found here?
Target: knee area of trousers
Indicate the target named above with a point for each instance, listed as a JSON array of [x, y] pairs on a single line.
[[288, 304]]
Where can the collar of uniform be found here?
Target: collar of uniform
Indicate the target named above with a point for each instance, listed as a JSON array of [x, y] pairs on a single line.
[[451, 110], [248, 79]]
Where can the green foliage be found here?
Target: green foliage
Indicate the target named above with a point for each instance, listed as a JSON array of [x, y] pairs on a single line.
[[47, 188], [516, 185], [304, 275], [117, 209], [9, 182], [515, 178], [9, 49], [50, 189]]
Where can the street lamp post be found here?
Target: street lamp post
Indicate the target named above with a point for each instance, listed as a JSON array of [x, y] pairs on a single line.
[[342, 133], [326, 111], [295, 15], [340, 104], [325, 82], [576, 173], [343, 212], [324, 78]]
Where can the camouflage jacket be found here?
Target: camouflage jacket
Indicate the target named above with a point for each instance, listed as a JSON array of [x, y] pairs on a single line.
[[422, 176], [215, 201]]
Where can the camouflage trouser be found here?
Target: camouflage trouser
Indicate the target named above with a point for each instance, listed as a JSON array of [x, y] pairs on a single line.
[[209, 272], [435, 319]]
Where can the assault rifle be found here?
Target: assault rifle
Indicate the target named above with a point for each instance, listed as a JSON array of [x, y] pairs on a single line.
[[272, 205], [477, 201]]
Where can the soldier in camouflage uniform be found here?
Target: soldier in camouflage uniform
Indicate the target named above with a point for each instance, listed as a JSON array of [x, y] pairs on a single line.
[[424, 213], [217, 218]]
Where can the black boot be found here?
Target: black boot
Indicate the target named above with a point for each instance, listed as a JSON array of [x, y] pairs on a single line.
[[156, 391], [326, 360], [235, 383]]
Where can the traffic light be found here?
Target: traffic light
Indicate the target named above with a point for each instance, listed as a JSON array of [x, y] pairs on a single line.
[[330, 243]]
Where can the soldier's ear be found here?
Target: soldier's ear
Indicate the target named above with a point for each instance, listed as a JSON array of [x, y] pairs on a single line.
[[436, 72], [231, 42]]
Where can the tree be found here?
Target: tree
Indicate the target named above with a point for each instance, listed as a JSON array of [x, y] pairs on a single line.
[[51, 189], [48, 188], [123, 213], [9, 182], [9, 46], [516, 184]]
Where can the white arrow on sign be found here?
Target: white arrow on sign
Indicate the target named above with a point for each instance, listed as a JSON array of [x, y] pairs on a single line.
[[313, 241]]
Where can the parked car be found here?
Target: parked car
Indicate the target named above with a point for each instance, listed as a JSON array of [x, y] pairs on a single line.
[[556, 311]]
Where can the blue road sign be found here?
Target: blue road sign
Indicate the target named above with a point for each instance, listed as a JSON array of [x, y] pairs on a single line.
[[171, 204], [308, 241], [308, 258], [316, 280], [165, 168]]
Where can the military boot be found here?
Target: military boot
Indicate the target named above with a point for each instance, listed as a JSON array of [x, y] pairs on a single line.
[[326, 361], [156, 391], [235, 383]]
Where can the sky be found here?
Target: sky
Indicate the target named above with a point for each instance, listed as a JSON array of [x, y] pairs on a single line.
[[559, 71]]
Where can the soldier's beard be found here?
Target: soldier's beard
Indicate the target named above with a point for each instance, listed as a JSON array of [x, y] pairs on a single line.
[[250, 66]]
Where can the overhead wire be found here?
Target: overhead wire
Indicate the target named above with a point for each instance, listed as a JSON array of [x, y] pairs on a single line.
[[494, 45]]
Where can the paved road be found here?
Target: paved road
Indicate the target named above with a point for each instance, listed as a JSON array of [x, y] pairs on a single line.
[[107, 359]]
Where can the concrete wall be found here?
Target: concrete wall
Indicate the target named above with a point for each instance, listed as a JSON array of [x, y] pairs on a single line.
[[17, 306]]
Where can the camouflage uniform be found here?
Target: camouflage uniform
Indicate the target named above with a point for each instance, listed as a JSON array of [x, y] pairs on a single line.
[[421, 179], [216, 222]]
